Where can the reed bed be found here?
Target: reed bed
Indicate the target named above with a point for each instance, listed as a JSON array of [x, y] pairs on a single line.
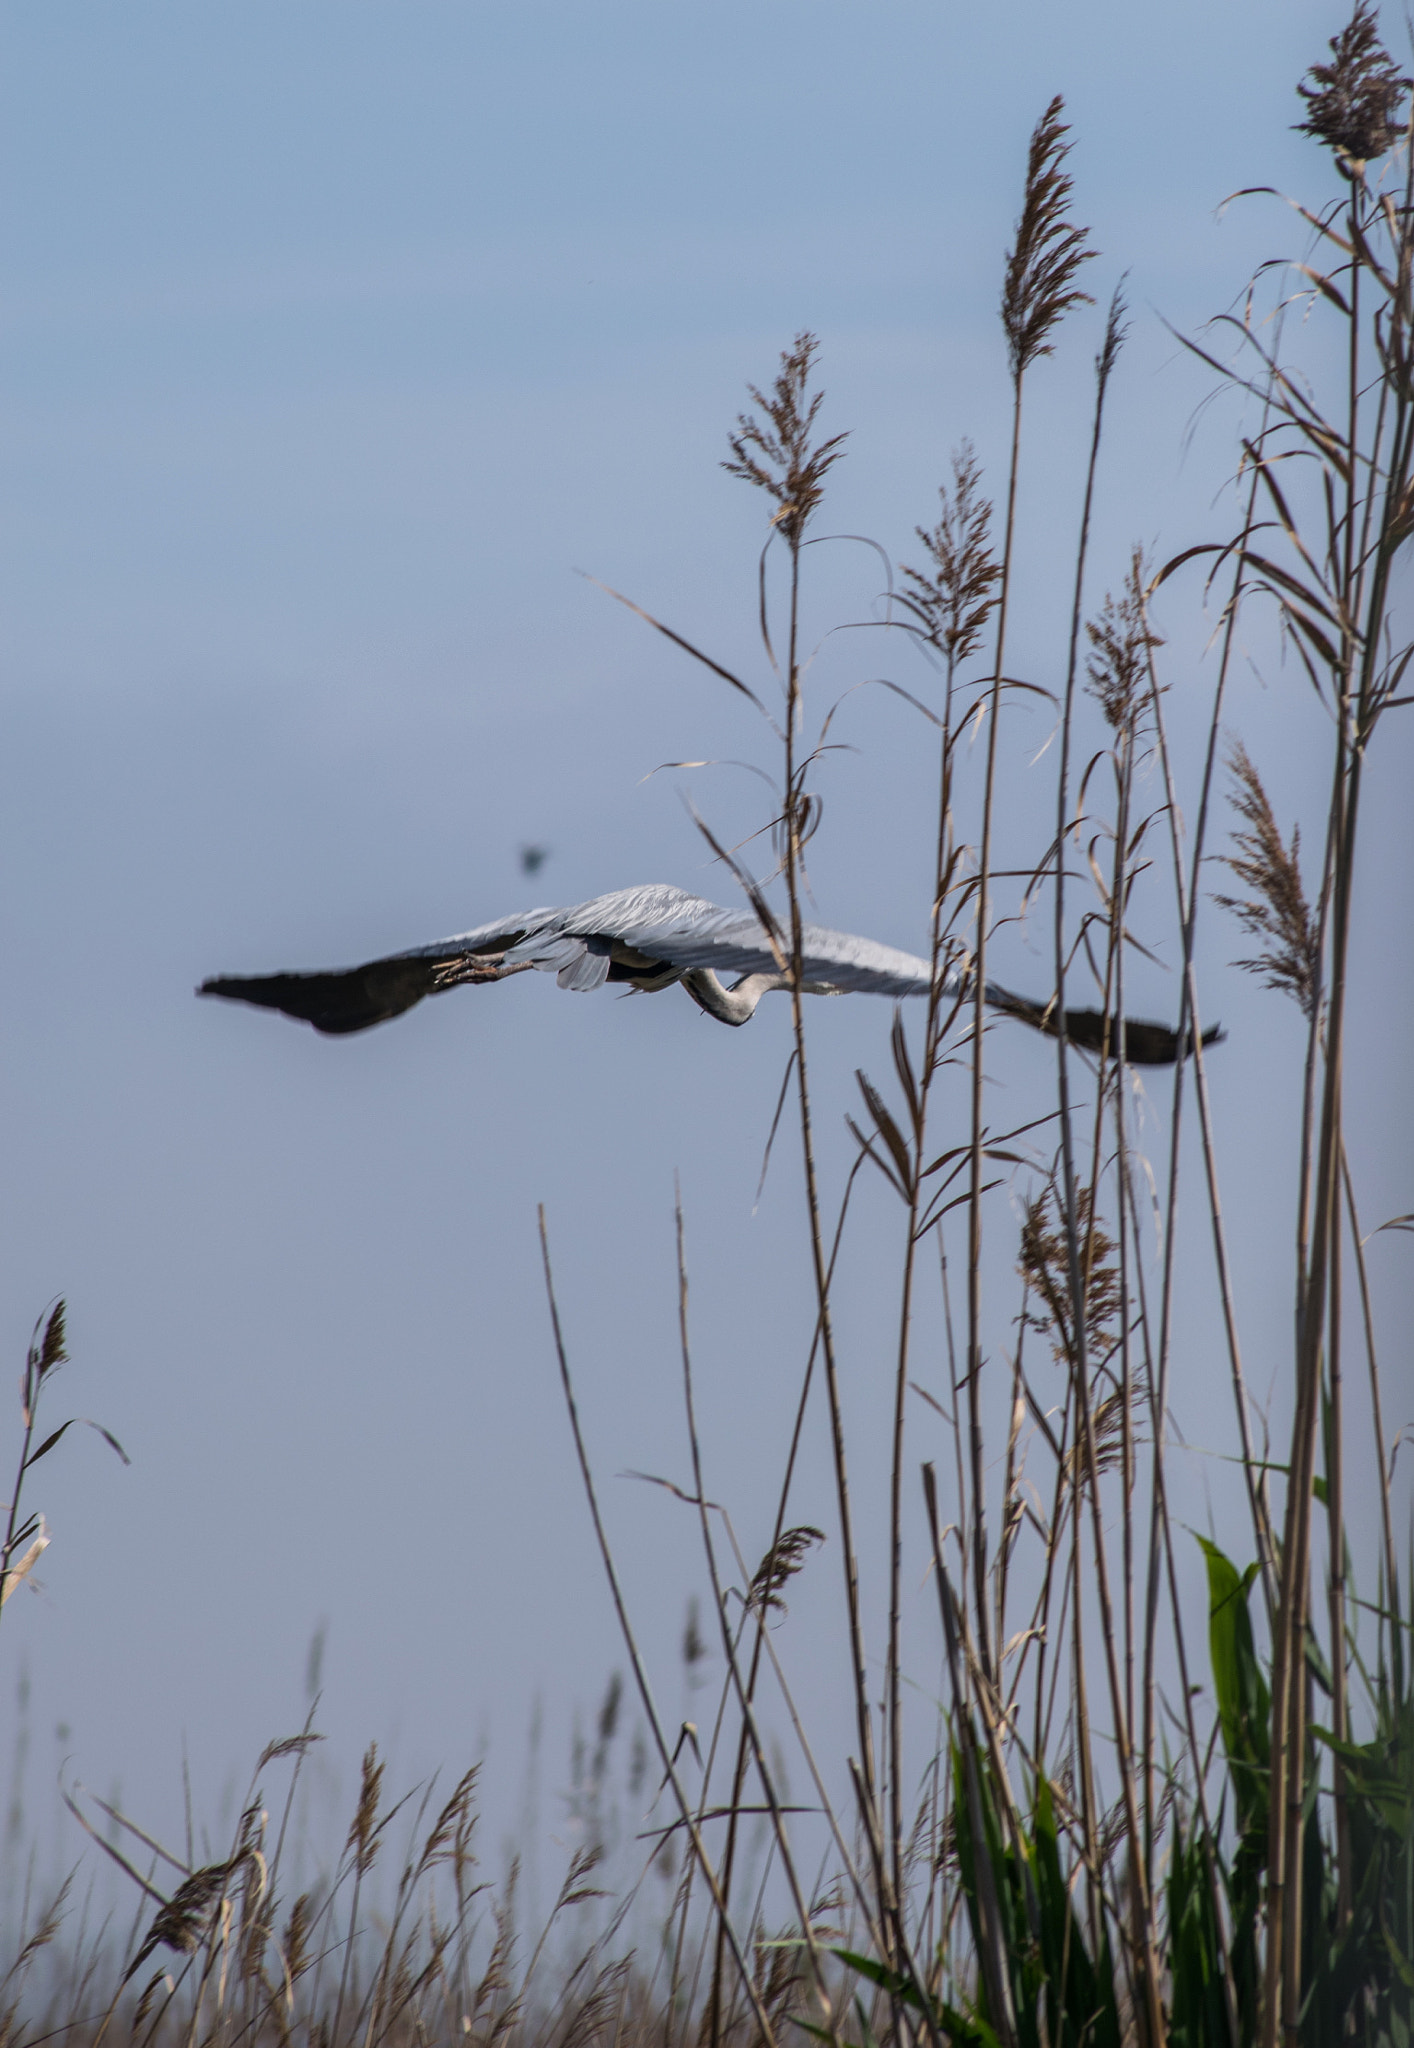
[[1130, 1822]]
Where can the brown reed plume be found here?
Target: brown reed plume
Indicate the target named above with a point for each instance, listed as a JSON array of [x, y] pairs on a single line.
[[776, 452], [779, 1566], [186, 1921], [1276, 912], [953, 600], [1354, 101], [1121, 641], [1040, 287], [1044, 1264], [364, 1830]]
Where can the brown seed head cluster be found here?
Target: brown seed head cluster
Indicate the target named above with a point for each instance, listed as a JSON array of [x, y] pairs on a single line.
[[780, 1564], [1040, 286], [1045, 1267], [953, 599], [1277, 912], [1120, 640], [1353, 102], [775, 453], [364, 1833]]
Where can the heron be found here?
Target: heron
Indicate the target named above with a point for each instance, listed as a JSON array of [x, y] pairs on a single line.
[[650, 939]]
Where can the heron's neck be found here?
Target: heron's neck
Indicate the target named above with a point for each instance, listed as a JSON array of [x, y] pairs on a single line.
[[730, 1005]]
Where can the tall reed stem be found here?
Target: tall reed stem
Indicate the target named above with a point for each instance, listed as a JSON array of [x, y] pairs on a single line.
[[975, 1126]]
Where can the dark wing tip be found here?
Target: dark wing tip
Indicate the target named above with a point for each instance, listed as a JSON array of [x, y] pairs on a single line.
[[1154, 1045], [337, 1003], [1145, 1044]]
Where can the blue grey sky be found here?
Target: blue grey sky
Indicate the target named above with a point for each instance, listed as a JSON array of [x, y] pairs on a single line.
[[335, 340]]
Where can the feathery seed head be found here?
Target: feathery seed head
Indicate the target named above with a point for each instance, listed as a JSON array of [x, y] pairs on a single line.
[[1120, 639], [1041, 269], [953, 600], [363, 1835], [1277, 912], [1045, 1267], [44, 1354], [1353, 103], [186, 1919], [781, 1563], [775, 453], [294, 1945]]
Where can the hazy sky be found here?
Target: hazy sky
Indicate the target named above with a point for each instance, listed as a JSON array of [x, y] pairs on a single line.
[[336, 338]]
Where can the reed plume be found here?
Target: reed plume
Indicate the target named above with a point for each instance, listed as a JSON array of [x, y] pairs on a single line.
[[1277, 912], [1121, 640], [775, 452], [953, 599], [1353, 103], [1044, 262]]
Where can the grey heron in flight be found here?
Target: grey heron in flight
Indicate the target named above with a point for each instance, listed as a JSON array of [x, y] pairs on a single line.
[[648, 939]]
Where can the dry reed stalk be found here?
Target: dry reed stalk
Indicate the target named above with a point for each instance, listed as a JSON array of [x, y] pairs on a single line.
[[1161, 1536], [775, 451], [1122, 645], [645, 1692], [1119, 642], [1013, 1508], [27, 1534], [1105, 362], [1039, 289], [1083, 1320], [1062, 1454], [992, 1958], [951, 603], [784, 1558], [1391, 1566], [761, 1639], [1128, 1389], [1161, 1547], [1289, 961], [1358, 690], [1188, 896], [864, 1903], [1117, 681], [1336, 612], [362, 1847], [1335, 1590]]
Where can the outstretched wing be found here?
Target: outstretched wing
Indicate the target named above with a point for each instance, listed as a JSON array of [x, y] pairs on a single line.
[[353, 998]]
